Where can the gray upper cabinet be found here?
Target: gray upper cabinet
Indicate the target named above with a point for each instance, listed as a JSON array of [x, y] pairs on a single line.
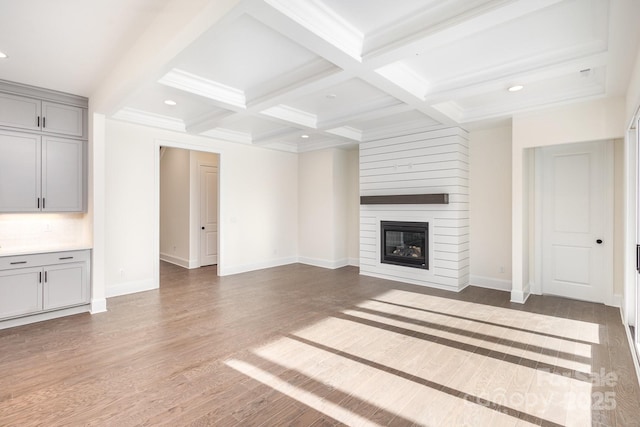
[[20, 112], [43, 158], [62, 175], [20, 172], [27, 113], [62, 119], [41, 173]]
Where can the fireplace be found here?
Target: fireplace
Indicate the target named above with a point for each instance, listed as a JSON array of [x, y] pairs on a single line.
[[405, 243]]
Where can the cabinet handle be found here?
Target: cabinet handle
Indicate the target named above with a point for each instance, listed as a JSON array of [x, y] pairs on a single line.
[[66, 257], [18, 262], [38, 121], [43, 122], [43, 203], [45, 277], [38, 202], [40, 277]]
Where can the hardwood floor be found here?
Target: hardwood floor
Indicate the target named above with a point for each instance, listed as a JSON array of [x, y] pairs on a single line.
[[299, 345]]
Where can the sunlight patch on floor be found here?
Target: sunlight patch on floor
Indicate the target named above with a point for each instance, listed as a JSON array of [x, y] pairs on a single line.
[[540, 323], [434, 361]]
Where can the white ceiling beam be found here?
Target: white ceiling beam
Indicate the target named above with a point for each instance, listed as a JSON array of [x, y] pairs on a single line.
[[452, 28], [178, 25]]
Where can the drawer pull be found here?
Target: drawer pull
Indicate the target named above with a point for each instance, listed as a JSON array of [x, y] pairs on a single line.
[[18, 262], [66, 257]]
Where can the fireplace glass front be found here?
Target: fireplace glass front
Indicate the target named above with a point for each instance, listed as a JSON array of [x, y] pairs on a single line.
[[405, 243]]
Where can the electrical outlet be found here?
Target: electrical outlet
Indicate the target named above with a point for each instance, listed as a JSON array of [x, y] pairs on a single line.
[[501, 269], [121, 273], [47, 228]]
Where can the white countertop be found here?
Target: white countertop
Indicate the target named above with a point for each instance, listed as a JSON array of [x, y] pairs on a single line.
[[41, 249]]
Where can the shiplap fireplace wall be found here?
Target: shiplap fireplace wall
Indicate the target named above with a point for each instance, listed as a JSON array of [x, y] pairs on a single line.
[[419, 163]]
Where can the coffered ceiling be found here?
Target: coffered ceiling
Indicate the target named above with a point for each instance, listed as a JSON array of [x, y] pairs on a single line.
[[298, 75]]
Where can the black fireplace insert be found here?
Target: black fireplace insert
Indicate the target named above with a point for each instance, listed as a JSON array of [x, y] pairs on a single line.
[[405, 243]]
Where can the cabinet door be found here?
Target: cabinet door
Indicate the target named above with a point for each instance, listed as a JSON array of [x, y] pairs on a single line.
[[65, 285], [62, 175], [19, 112], [62, 119], [19, 172], [20, 292]]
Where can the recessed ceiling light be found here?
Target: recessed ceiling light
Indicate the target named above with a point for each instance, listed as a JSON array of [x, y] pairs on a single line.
[[331, 96], [3, 55], [170, 102], [516, 88], [305, 136]]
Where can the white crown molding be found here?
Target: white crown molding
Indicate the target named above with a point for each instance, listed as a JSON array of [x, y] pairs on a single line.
[[402, 128], [292, 115], [380, 107], [192, 83], [228, 135], [207, 121], [321, 145], [347, 132], [316, 17], [559, 98], [149, 119], [405, 77], [275, 135]]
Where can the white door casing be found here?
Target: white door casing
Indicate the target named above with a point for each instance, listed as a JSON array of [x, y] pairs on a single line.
[[577, 214], [208, 215], [636, 337]]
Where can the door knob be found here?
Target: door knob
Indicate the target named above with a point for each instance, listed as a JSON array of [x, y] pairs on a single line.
[[599, 241], [203, 228]]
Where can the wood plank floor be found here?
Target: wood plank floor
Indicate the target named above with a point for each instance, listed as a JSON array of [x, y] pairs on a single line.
[[299, 345]]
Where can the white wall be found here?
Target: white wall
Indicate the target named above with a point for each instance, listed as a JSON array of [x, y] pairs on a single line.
[[326, 192], [490, 207], [175, 206], [129, 202], [258, 200]]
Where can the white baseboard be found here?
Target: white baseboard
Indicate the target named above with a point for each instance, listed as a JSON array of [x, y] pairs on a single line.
[[615, 301], [324, 263], [131, 287], [98, 305], [354, 262], [178, 261], [227, 271], [413, 282], [520, 297], [490, 283]]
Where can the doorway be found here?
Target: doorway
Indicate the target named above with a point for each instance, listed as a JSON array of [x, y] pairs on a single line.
[[575, 207], [188, 207]]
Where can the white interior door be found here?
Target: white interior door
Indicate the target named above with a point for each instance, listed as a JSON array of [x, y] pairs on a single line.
[[577, 247], [208, 215]]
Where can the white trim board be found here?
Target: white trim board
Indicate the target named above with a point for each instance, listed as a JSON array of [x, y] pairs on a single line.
[[132, 287], [490, 283], [185, 263], [324, 263]]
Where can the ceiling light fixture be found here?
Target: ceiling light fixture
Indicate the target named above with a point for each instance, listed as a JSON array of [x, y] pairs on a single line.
[[515, 88], [3, 55], [331, 96], [170, 102], [305, 136]]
